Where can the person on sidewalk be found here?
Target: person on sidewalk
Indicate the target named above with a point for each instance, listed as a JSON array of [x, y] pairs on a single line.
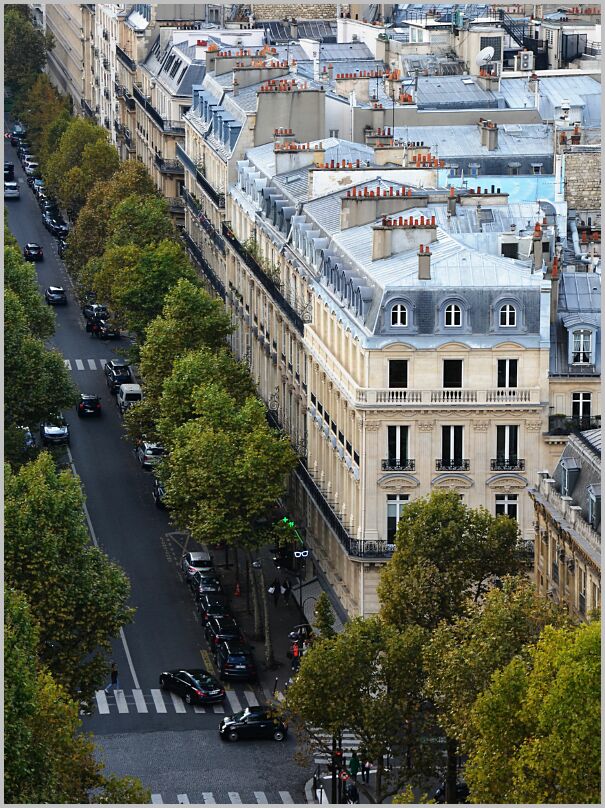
[[287, 591], [295, 656], [351, 793], [277, 591], [354, 766], [114, 684], [365, 771]]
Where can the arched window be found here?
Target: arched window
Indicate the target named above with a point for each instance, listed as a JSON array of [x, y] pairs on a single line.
[[508, 316], [453, 315], [399, 315], [582, 347]]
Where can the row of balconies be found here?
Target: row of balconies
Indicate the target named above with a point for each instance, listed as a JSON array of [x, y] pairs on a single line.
[[457, 464], [390, 396]]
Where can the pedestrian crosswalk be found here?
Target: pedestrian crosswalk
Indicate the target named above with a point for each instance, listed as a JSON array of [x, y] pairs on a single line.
[[84, 364], [322, 741], [233, 797], [157, 701]]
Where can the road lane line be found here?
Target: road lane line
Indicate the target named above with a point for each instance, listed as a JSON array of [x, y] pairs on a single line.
[[234, 797], [121, 701], [92, 364], [252, 700], [218, 708], [79, 364], [157, 799], [67, 364], [158, 700], [208, 798], [197, 709], [261, 797], [233, 701], [285, 797], [179, 704], [183, 799], [139, 700], [102, 705]]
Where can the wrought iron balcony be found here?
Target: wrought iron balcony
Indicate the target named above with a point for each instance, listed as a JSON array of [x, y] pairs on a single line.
[[210, 274], [130, 102], [457, 464], [391, 464], [168, 166], [510, 464], [175, 204], [565, 424], [270, 285], [146, 104], [192, 203], [173, 127], [87, 109], [125, 59], [217, 197]]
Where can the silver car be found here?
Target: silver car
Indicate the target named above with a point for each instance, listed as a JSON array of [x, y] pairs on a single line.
[[191, 563], [149, 454], [54, 431]]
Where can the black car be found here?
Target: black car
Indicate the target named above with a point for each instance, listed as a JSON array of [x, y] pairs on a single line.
[[92, 311], [23, 147], [203, 582], [234, 660], [103, 328], [252, 723], [33, 252], [9, 171], [88, 405], [62, 248], [221, 628], [158, 493], [210, 604], [195, 685], [54, 222], [55, 296], [117, 372]]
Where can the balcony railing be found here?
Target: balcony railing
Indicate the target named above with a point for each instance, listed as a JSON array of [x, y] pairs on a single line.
[[217, 197], [564, 424], [173, 127], [175, 204], [398, 465], [130, 102], [192, 203], [125, 59], [457, 464], [168, 166], [214, 280], [260, 274], [512, 464], [143, 101], [201, 218], [87, 109], [399, 396]]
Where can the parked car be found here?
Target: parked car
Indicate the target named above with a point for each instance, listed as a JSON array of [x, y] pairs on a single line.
[[195, 685], [117, 372], [149, 454], [158, 493], [11, 190], [128, 394], [89, 404], [23, 147], [9, 171], [32, 169], [38, 187], [234, 660], [54, 431], [211, 604], [253, 723], [55, 223], [221, 628], [33, 252], [198, 561], [92, 311], [25, 153], [202, 582], [55, 296], [103, 328]]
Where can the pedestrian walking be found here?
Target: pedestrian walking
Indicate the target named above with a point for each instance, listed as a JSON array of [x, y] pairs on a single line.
[[276, 591], [354, 766], [295, 656], [114, 684], [287, 591], [351, 793], [365, 771]]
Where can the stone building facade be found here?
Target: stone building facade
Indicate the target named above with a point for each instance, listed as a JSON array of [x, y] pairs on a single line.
[[303, 11], [582, 167]]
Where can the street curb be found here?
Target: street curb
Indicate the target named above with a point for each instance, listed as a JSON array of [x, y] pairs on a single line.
[[309, 792]]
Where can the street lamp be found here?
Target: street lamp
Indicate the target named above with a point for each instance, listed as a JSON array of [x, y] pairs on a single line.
[[310, 597]]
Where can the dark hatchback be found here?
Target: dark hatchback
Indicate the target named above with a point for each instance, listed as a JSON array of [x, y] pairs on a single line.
[[219, 629], [117, 372], [88, 405], [212, 605], [202, 582], [33, 252], [194, 685], [253, 723], [234, 660], [9, 171], [103, 329], [55, 223]]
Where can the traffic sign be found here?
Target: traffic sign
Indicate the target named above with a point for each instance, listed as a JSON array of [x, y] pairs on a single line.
[[343, 776]]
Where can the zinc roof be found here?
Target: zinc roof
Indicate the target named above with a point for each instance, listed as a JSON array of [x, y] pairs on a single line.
[[465, 141]]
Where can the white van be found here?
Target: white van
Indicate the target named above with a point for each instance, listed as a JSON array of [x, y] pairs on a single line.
[[128, 394]]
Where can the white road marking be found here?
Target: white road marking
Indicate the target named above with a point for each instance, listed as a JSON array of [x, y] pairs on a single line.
[[234, 797], [67, 364], [208, 798], [179, 704], [260, 797], [139, 700], [158, 700], [157, 799], [233, 701], [285, 797], [92, 364], [199, 709], [102, 705], [79, 364], [121, 701], [102, 363], [218, 708], [183, 799], [252, 700]]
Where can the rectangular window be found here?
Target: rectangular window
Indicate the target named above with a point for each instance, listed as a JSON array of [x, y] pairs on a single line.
[[507, 444], [348, 447], [582, 347], [341, 438], [594, 508], [397, 444], [398, 372], [582, 592], [313, 399], [395, 505], [320, 408], [507, 372], [506, 505], [334, 132], [452, 372], [356, 457], [327, 417], [555, 567], [452, 445], [581, 405]]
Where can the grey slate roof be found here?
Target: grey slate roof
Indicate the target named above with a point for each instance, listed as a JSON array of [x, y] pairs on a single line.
[[579, 301], [451, 92], [465, 141]]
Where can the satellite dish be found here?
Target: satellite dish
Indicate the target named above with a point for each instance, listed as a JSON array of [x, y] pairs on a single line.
[[484, 56]]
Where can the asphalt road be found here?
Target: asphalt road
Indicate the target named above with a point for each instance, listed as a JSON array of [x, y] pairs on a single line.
[[174, 749]]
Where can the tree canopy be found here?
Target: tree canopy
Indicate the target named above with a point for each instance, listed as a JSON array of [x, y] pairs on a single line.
[[141, 220], [25, 50], [20, 278], [43, 107], [534, 734]]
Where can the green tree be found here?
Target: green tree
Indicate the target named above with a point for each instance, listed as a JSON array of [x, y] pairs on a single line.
[[91, 231], [368, 680], [25, 50], [324, 617], [77, 595], [51, 135], [47, 759], [20, 277], [461, 656], [534, 734], [43, 106], [140, 220]]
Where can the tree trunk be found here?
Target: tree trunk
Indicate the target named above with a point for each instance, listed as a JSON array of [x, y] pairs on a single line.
[[235, 553], [451, 775], [378, 787], [249, 584], [269, 658]]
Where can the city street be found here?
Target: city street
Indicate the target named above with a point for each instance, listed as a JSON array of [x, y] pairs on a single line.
[[174, 748]]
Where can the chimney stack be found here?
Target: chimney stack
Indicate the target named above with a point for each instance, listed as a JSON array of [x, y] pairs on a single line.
[[489, 134], [537, 247], [451, 202], [424, 263], [554, 289]]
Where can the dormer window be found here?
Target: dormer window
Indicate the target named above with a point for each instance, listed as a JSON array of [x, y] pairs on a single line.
[[582, 347], [508, 316], [453, 316], [399, 315]]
